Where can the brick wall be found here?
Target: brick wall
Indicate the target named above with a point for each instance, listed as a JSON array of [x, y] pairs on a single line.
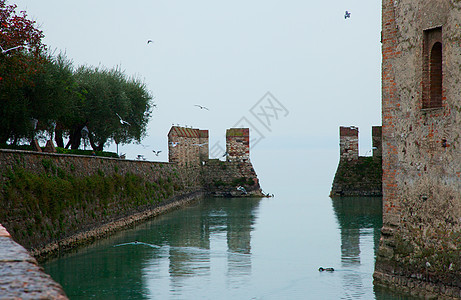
[[419, 246], [238, 144], [377, 141], [357, 176], [187, 146], [348, 143]]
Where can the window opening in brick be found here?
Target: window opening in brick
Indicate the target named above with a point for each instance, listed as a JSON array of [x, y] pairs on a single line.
[[436, 75], [432, 68]]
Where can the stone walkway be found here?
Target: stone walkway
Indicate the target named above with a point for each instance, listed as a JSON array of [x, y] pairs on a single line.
[[20, 275]]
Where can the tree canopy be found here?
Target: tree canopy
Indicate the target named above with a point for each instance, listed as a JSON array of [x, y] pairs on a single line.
[[43, 95]]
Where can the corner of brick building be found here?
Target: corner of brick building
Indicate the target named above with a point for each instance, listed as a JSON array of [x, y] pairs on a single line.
[[421, 160]]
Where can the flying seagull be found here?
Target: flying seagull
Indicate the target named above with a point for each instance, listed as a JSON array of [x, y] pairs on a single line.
[[150, 41], [156, 152], [225, 154], [200, 145], [347, 15], [174, 144], [122, 121], [4, 51], [201, 107]]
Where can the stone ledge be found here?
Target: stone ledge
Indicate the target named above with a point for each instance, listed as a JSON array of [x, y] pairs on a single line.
[[21, 276], [416, 287]]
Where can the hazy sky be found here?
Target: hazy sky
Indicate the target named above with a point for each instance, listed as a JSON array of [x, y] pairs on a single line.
[[322, 69]]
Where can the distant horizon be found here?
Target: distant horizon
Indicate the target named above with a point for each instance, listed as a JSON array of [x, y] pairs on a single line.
[[325, 70]]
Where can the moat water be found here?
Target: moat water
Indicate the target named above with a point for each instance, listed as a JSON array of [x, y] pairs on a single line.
[[269, 248]]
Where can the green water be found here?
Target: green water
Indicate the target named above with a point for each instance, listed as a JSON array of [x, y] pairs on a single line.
[[268, 248]]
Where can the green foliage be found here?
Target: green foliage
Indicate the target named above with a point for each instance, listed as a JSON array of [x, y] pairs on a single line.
[[17, 147], [41, 207], [86, 152], [42, 94], [239, 181]]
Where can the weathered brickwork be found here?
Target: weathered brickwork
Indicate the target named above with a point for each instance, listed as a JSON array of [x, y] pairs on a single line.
[[349, 143], [377, 141], [238, 144], [421, 115], [187, 146], [357, 175]]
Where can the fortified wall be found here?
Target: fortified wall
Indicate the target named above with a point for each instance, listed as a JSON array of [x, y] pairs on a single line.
[[358, 175], [420, 247], [51, 202]]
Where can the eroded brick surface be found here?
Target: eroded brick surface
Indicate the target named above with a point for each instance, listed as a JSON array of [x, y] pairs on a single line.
[[421, 144]]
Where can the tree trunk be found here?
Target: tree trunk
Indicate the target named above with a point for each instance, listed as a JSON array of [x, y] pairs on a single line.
[[58, 136]]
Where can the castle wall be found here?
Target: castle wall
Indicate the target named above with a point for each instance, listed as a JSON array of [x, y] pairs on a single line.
[[187, 146], [421, 115], [357, 175], [348, 143], [238, 144]]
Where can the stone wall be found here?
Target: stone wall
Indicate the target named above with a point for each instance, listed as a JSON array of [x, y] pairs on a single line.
[[187, 146], [421, 115], [357, 175], [223, 178], [238, 144], [348, 143], [21, 276], [49, 197]]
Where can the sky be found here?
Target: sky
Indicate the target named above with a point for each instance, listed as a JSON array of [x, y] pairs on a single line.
[[293, 71]]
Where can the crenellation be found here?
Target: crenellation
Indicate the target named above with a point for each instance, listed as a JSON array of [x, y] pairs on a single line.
[[358, 175], [238, 144]]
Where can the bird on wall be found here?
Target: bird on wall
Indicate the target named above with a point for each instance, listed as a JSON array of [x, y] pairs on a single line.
[[122, 121], [156, 152], [174, 144], [4, 51], [201, 107], [347, 15]]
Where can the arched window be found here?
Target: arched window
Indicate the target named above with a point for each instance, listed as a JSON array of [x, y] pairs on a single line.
[[436, 75], [432, 68]]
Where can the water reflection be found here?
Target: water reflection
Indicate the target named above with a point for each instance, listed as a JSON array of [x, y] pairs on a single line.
[[360, 221], [183, 246]]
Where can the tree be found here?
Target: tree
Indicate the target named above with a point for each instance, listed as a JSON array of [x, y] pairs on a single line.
[[108, 96], [17, 67]]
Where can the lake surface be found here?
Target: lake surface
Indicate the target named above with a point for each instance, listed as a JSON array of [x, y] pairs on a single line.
[[269, 248]]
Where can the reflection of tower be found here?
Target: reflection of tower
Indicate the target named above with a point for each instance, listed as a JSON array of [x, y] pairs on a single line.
[[356, 216], [189, 241], [239, 228]]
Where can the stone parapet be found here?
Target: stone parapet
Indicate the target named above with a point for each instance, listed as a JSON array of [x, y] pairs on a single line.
[[20, 275]]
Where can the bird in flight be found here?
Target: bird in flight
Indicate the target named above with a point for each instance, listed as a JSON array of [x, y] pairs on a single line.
[[156, 152], [4, 51], [200, 145], [225, 154], [347, 15], [150, 41], [122, 121], [174, 144], [201, 107]]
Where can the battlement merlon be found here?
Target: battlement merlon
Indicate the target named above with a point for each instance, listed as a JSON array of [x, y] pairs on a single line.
[[238, 144], [349, 143]]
